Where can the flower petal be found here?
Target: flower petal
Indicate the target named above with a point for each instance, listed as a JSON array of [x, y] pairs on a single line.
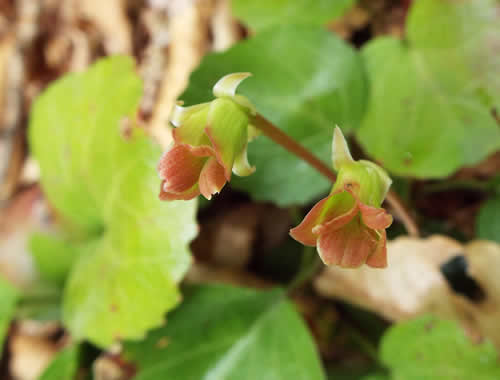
[[349, 246], [227, 131], [337, 222], [303, 232], [181, 114], [378, 259], [192, 129], [212, 178], [179, 169], [385, 181], [241, 166], [191, 193], [336, 205], [374, 217]]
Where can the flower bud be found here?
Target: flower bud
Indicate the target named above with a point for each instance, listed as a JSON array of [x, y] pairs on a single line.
[[348, 226], [210, 142]]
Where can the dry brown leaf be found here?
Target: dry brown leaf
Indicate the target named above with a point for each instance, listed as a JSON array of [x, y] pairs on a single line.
[[413, 284]]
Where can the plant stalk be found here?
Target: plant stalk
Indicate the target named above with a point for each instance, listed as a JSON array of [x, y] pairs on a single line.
[[281, 138]]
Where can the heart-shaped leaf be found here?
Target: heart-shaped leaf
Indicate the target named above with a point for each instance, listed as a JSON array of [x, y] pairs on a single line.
[[433, 94], [100, 174], [226, 333]]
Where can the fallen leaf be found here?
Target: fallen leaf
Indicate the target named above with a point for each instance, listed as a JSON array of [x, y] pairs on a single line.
[[415, 283]]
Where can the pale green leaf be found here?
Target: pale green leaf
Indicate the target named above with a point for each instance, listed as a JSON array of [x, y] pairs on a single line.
[[305, 80], [260, 14], [53, 256], [429, 348], [226, 333], [432, 95], [133, 248], [488, 221]]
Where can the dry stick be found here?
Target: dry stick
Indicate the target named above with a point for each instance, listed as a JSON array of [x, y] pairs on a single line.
[[281, 138]]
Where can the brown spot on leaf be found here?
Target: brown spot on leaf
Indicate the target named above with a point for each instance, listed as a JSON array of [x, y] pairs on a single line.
[[162, 342], [126, 128], [429, 325]]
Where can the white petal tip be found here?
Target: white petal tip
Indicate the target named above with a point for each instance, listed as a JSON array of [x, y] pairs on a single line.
[[340, 149], [227, 85]]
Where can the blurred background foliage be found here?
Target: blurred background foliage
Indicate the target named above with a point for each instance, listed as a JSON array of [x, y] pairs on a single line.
[[91, 262]]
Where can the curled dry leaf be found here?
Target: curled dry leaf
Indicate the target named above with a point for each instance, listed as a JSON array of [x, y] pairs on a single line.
[[415, 283]]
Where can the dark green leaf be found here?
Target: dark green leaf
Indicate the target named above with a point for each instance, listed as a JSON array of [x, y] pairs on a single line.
[[260, 14], [64, 366], [305, 81], [432, 95], [488, 221], [223, 333]]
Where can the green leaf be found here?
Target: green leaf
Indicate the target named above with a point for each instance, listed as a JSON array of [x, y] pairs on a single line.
[[64, 366], [488, 221], [133, 249], [223, 333], [430, 109], [53, 256], [428, 348], [260, 14], [305, 80], [8, 299]]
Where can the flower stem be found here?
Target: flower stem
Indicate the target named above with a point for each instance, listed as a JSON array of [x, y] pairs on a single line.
[[281, 138]]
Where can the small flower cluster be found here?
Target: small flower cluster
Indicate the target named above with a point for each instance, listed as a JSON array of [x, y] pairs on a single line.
[[210, 142]]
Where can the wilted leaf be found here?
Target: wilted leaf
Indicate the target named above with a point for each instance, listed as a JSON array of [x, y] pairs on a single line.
[[488, 222], [221, 332], [305, 80], [102, 180], [260, 14], [411, 284], [429, 348], [430, 109]]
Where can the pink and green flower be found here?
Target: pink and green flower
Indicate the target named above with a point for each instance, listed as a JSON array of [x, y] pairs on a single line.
[[210, 143], [348, 226]]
